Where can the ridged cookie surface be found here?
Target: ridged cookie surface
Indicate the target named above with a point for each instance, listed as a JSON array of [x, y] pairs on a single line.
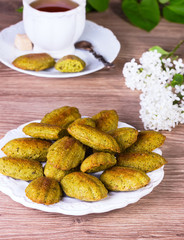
[[124, 179], [125, 137], [98, 161], [147, 141], [23, 169], [106, 120], [44, 190], [83, 186], [147, 161], [85, 121], [66, 153], [61, 117], [52, 171], [30, 148], [94, 138], [44, 131]]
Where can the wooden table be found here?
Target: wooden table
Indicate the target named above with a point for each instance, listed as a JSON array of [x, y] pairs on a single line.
[[159, 215]]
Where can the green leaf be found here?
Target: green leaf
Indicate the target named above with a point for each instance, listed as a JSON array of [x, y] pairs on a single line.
[[176, 2], [178, 79], [145, 14], [99, 5], [20, 10], [89, 8], [159, 50], [163, 1], [174, 12]]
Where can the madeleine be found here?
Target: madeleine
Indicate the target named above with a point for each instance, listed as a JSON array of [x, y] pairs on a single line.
[[124, 179], [83, 186]]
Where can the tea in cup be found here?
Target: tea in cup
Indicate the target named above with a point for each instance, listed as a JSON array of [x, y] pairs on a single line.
[[54, 5], [54, 26]]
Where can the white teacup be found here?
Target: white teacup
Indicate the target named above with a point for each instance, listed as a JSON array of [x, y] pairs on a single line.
[[54, 32]]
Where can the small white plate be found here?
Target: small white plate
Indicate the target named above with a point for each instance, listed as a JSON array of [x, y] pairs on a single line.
[[103, 40], [70, 206]]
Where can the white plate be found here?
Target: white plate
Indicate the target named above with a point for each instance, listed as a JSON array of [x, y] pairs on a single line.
[[103, 40], [70, 206]]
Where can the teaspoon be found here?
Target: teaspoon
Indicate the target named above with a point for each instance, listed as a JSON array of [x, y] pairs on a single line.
[[85, 45]]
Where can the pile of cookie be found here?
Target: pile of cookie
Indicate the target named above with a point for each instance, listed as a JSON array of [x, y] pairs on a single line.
[[73, 148]]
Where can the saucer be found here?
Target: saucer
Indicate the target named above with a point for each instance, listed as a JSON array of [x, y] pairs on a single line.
[[103, 40]]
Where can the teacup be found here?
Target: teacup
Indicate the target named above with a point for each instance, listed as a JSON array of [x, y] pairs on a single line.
[[54, 32]]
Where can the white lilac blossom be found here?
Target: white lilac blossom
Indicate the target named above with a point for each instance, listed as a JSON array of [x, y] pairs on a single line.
[[162, 105]]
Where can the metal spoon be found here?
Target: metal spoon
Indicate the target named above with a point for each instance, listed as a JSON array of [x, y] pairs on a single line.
[[85, 45]]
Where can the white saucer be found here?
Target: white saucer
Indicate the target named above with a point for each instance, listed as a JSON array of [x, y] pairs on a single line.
[[103, 40], [71, 206]]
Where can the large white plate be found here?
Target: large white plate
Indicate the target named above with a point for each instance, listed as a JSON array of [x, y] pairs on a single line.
[[70, 206], [103, 40]]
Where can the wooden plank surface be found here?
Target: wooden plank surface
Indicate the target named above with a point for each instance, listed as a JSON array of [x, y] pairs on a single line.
[[159, 215]]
